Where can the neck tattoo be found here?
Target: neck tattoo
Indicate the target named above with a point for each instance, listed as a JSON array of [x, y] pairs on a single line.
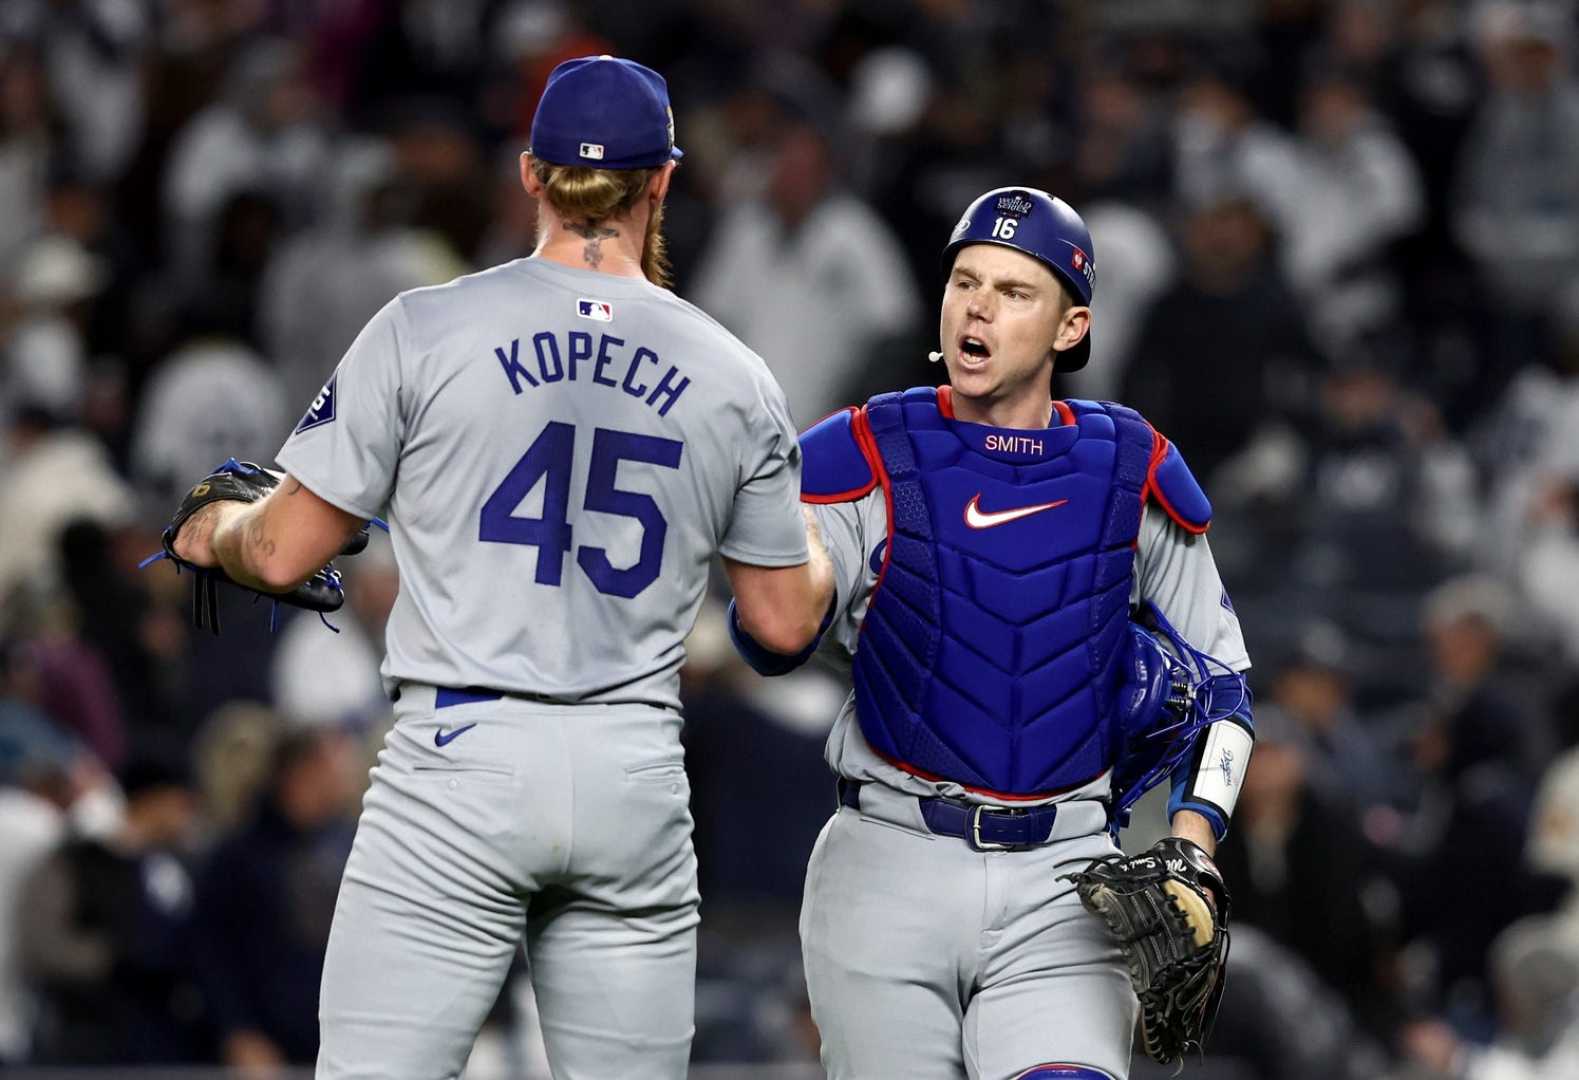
[[594, 235]]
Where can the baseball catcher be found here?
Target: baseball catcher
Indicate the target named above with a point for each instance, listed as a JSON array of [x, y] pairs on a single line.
[[244, 482], [1036, 633]]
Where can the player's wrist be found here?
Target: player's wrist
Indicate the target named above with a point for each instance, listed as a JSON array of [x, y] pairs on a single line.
[[227, 541], [1194, 826]]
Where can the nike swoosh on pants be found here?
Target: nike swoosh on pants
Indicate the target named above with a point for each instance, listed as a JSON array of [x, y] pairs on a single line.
[[444, 738]]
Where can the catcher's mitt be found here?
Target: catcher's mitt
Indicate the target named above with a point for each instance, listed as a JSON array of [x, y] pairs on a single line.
[[1160, 907], [242, 481]]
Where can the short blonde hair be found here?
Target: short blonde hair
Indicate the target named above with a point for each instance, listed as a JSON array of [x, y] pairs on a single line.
[[578, 193]]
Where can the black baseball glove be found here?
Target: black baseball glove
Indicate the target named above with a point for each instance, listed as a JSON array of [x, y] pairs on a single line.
[[1169, 910], [242, 481]]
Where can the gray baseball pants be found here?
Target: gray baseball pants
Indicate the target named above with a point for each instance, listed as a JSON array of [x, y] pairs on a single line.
[[928, 959], [569, 825]]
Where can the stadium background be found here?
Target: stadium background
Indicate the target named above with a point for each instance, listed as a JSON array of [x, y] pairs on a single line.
[[1338, 252]]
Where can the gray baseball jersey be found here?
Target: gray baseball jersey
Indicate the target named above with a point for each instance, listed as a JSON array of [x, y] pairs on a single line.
[[561, 452]]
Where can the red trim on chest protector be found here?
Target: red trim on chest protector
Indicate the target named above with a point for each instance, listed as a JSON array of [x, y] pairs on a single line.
[[1152, 490]]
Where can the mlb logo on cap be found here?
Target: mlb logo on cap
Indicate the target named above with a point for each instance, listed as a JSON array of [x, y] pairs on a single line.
[[597, 310], [592, 151]]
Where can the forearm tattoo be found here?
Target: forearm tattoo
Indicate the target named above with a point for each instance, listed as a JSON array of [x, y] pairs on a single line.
[[256, 541]]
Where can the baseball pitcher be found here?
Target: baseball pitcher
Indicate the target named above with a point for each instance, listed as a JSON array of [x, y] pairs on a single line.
[[563, 446], [1036, 633]]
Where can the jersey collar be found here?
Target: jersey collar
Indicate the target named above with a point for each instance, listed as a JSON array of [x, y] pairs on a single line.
[[1018, 446]]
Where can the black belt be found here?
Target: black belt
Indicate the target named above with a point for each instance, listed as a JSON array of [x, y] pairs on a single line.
[[983, 827]]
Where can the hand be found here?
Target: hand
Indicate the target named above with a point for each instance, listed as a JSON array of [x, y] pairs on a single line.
[[195, 541]]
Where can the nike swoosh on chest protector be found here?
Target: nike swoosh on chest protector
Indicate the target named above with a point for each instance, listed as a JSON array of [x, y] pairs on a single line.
[[977, 518]]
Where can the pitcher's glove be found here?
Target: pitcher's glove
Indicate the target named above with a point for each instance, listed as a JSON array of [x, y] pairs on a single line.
[[242, 481], [1160, 907]]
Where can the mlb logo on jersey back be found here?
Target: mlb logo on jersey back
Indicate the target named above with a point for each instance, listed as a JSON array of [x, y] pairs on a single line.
[[597, 310], [321, 411]]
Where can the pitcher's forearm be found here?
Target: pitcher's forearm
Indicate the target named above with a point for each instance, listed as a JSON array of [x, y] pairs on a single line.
[[245, 551]]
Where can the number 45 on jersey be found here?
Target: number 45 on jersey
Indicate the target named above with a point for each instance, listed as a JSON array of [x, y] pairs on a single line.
[[550, 459]]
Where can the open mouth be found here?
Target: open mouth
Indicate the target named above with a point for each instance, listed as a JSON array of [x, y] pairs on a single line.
[[973, 348]]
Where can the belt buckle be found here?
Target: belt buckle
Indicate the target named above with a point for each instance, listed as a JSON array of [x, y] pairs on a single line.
[[976, 841]]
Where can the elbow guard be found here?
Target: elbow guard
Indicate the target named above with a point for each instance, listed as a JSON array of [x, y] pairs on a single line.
[[765, 661], [1208, 780]]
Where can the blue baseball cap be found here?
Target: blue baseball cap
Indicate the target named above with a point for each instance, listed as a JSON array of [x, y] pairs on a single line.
[[605, 113]]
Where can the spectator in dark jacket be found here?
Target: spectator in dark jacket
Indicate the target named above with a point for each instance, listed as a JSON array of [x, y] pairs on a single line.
[[1478, 751], [1220, 351], [100, 934], [1297, 868], [265, 902]]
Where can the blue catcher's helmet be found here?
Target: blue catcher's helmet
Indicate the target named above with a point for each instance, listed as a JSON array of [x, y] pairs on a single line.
[[1045, 228]]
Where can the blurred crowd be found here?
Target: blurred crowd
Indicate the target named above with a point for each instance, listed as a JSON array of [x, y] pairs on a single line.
[[1338, 264]]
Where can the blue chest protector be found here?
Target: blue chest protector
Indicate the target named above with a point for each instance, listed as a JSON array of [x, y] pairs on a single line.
[[993, 648]]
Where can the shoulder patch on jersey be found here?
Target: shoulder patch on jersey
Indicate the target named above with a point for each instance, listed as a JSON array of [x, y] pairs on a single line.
[[1174, 487], [834, 465], [321, 411]]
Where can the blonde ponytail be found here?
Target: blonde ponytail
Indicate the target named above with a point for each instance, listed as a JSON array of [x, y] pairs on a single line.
[[580, 194]]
